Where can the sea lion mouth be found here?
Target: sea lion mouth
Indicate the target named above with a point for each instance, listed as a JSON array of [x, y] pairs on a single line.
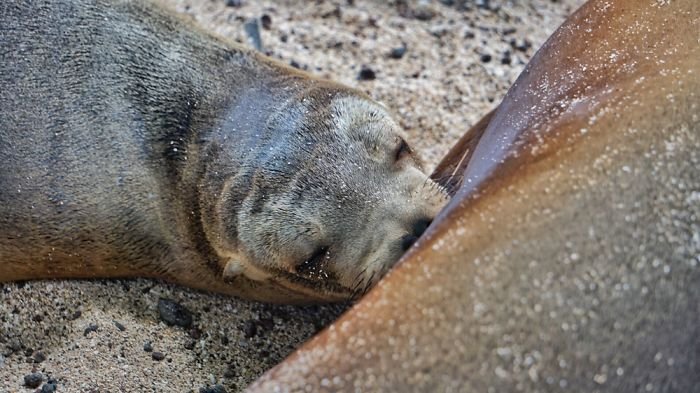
[[324, 289]]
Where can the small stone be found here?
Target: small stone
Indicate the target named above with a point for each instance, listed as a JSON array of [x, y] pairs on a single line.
[[119, 326], [398, 52], [234, 3], [249, 329], [189, 344], [230, 372], [147, 346], [38, 357], [520, 44], [366, 74], [423, 13], [195, 333], [484, 4], [158, 356], [213, 389], [50, 386], [174, 314], [485, 58], [266, 323], [75, 315], [33, 380], [506, 59], [91, 328], [266, 21]]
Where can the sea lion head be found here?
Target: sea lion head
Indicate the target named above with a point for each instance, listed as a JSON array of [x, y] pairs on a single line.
[[334, 195]]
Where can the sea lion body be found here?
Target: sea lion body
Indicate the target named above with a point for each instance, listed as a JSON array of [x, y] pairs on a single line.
[[134, 144]]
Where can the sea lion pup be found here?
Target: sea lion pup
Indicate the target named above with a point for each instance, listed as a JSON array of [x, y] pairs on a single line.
[[135, 144]]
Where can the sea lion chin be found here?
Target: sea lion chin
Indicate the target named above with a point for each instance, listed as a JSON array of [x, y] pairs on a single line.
[[135, 144]]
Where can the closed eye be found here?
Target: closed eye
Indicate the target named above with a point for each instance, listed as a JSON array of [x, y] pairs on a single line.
[[402, 150], [313, 265]]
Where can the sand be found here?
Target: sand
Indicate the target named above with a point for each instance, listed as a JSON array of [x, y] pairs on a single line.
[[89, 336]]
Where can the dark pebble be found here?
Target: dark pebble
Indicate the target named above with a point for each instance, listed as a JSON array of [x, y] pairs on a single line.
[[38, 318], [148, 347], [174, 314], [266, 21], [520, 44], [366, 74], [294, 64], [91, 328], [119, 326], [33, 380], [398, 52], [50, 386], [234, 3], [230, 372], [195, 333], [75, 315], [484, 4], [266, 323], [190, 344], [224, 340], [38, 357], [158, 356], [485, 58], [213, 389], [249, 329], [423, 13]]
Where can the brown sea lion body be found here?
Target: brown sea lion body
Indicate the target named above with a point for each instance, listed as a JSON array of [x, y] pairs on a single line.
[[569, 258], [135, 144]]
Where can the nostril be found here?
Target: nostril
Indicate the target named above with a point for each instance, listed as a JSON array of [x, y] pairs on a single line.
[[407, 241], [420, 226]]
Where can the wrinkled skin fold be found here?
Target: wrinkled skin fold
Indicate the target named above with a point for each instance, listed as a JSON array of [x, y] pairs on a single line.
[[568, 257]]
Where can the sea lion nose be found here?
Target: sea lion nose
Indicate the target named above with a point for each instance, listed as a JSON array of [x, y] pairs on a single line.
[[419, 228]]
